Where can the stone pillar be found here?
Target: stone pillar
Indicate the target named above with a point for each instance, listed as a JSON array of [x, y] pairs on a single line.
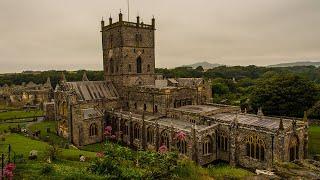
[[233, 141], [194, 141], [306, 135]]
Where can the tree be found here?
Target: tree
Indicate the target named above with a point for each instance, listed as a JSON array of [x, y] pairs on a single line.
[[200, 68], [286, 95]]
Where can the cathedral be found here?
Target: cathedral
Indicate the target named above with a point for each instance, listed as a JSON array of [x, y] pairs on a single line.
[[147, 111]]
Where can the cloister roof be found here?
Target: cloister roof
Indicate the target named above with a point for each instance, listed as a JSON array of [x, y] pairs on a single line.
[[270, 123]]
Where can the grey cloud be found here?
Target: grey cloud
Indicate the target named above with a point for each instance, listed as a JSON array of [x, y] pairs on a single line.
[[60, 34]]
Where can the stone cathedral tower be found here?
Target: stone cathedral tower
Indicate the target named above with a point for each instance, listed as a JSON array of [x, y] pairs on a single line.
[[128, 52]]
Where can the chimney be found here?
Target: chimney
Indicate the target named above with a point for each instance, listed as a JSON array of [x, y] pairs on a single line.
[[138, 21], [120, 17], [110, 20]]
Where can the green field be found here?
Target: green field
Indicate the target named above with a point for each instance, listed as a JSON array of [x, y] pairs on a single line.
[[314, 140], [19, 114]]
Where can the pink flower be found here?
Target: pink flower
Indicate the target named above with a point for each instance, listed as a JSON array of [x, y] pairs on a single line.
[[181, 136], [108, 128], [100, 154], [107, 131], [163, 149], [113, 137], [10, 167]]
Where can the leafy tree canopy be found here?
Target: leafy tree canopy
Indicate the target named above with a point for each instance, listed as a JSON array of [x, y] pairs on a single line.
[[287, 95]]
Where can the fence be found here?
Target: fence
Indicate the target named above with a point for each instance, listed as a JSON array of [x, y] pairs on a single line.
[[7, 156]]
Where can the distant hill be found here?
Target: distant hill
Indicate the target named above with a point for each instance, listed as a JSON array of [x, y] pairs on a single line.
[[303, 63], [204, 64]]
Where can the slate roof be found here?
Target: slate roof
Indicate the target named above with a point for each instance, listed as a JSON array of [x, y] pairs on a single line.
[[189, 82], [93, 90], [270, 123], [91, 113]]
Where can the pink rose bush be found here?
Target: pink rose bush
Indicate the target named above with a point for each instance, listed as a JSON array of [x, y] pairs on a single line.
[[181, 136], [8, 171], [163, 149], [100, 154]]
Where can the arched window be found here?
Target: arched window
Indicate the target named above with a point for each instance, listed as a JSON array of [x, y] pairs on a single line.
[[111, 66], [129, 67], [135, 106], [93, 131], [207, 146], [136, 131], [155, 108], [255, 148], [294, 148], [144, 107], [148, 68], [222, 142], [182, 146], [139, 65], [165, 139], [150, 135]]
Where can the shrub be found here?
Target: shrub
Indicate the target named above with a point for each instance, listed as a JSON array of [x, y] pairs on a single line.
[[52, 152], [121, 162], [47, 169]]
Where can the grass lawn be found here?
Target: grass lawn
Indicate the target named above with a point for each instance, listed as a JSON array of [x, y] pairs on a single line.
[[5, 126], [61, 169], [52, 125], [224, 171], [98, 147], [23, 145], [314, 140], [19, 114]]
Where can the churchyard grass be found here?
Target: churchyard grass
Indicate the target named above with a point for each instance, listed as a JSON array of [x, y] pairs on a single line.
[[314, 140], [20, 114]]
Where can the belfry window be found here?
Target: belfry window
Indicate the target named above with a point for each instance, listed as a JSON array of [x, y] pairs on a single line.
[[139, 65], [148, 68], [111, 66], [255, 148]]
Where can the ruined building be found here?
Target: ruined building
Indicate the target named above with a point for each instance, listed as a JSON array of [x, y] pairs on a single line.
[[146, 111], [27, 94]]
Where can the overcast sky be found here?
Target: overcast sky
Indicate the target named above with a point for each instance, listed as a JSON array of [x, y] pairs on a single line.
[[64, 34]]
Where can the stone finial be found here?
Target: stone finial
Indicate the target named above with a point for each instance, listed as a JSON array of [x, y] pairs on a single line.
[[120, 16], [48, 83], [305, 117], [63, 78], [260, 113], [84, 77], [281, 128], [110, 20], [102, 23]]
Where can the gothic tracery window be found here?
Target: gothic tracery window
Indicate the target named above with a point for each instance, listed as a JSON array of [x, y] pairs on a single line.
[[136, 131], [182, 146], [165, 139], [255, 148], [294, 148], [93, 130], [222, 142], [150, 135], [207, 146]]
